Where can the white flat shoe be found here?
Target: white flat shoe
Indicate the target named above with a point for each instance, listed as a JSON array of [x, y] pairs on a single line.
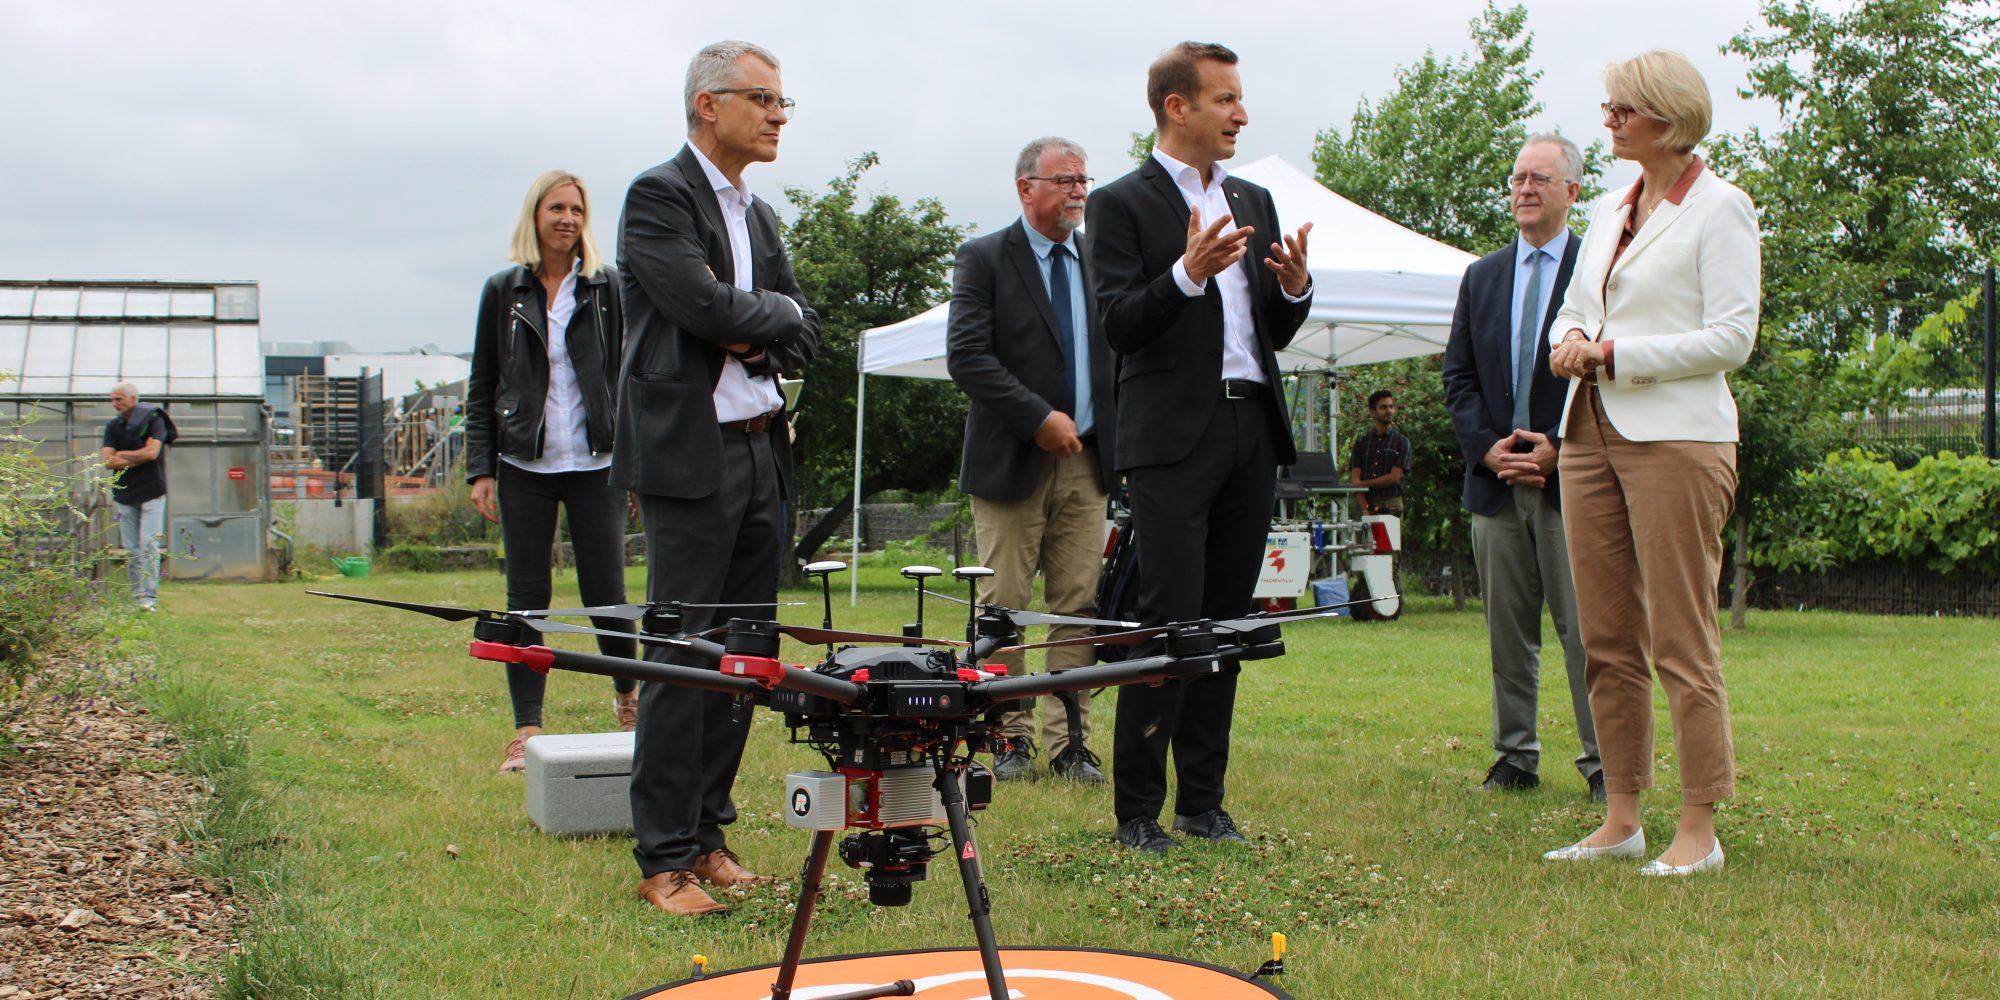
[[1631, 847], [1708, 864]]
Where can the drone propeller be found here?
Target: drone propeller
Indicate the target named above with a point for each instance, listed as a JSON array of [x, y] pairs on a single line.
[[815, 636], [1024, 619], [634, 612], [451, 614], [1244, 624], [434, 610]]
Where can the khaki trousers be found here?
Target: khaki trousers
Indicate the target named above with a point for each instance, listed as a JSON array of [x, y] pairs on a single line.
[[1057, 531], [1645, 522]]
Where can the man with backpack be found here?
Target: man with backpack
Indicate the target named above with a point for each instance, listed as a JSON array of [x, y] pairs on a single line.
[[135, 444]]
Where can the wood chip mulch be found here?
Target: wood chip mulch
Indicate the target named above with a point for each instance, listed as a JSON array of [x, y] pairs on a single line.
[[98, 895]]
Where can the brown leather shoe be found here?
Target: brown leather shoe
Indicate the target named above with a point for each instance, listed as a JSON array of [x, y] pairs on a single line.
[[721, 867], [517, 755], [627, 713], [677, 894]]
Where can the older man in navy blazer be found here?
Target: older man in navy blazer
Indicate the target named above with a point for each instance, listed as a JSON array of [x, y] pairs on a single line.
[[1506, 407]]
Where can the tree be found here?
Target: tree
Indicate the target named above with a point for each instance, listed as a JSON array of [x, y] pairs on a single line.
[[1880, 191], [1434, 153], [1877, 195], [861, 269]]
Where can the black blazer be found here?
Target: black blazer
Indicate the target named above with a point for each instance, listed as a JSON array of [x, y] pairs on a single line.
[[1479, 366], [509, 383], [1170, 345], [1005, 353], [673, 252]]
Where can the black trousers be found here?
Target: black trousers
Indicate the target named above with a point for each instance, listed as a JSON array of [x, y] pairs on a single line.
[[720, 549], [596, 515], [1202, 523]]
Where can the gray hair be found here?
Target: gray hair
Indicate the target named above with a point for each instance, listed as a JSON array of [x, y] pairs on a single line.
[[1031, 154], [125, 389], [714, 68], [1572, 157]]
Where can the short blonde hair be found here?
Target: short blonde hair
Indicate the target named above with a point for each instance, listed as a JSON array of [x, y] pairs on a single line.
[[1664, 84], [527, 246]]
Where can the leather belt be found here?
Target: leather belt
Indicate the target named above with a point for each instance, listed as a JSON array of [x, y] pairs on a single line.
[[755, 425], [1242, 388]]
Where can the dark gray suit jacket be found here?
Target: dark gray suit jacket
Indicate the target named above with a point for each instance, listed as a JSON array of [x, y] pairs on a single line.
[[1479, 371], [1004, 352], [680, 311], [1170, 345]]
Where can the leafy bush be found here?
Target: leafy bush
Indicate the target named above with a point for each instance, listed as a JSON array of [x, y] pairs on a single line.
[[47, 597], [1857, 506], [416, 557], [444, 517]]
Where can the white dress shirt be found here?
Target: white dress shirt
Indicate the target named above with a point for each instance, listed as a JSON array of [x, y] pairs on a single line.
[[1239, 327], [565, 438], [738, 394]]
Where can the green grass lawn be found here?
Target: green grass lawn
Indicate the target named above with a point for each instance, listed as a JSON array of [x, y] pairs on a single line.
[[1864, 846]]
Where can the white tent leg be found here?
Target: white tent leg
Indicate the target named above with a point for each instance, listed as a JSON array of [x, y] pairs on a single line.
[[854, 554]]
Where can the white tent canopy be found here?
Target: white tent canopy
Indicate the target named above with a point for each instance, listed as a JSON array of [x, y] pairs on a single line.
[[1380, 292]]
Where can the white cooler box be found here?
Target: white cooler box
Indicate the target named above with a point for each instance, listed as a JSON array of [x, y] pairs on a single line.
[[580, 783]]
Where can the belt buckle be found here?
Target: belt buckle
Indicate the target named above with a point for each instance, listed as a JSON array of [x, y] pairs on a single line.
[[1229, 389]]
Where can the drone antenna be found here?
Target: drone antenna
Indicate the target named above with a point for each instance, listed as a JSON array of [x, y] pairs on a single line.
[[825, 570], [919, 574], [972, 575]]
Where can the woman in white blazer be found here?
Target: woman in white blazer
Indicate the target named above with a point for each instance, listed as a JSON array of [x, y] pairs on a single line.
[[1663, 304]]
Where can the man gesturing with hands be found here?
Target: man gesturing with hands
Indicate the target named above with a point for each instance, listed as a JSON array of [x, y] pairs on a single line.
[[1201, 424]]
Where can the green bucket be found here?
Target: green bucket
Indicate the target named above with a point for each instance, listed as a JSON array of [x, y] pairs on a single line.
[[351, 565]]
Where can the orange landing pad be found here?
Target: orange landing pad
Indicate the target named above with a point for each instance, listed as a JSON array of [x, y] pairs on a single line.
[[955, 974]]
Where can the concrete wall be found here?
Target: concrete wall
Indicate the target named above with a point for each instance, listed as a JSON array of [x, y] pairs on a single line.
[[349, 527]]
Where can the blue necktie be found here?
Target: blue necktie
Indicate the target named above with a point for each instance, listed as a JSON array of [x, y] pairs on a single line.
[[1524, 350], [1065, 326]]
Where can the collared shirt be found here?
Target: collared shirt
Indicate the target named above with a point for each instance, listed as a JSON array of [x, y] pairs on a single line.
[[565, 438], [1239, 326], [1550, 256], [1079, 318], [1375, 453], [738, 394]]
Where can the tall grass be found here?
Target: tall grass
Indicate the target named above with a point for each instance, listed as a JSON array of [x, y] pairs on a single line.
[[1864, 847]]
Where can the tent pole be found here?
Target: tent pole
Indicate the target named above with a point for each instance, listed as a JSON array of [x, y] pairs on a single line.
[[860, 408]]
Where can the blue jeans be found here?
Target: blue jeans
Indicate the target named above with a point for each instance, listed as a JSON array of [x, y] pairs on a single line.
[[139, 529]]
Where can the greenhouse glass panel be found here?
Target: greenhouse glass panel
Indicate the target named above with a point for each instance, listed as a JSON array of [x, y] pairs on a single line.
[[237, 356], [190, 360], [145, 358], [236, 302], [194, 304], [16, 302], [102, 303], [51, 347], [13, 344], [97, 350], [146, 303], [56, 303]]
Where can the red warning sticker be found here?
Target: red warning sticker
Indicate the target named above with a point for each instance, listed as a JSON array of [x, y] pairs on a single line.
[[968, 854]]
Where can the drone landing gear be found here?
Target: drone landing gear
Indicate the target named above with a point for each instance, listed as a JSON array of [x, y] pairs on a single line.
[[970, 872]]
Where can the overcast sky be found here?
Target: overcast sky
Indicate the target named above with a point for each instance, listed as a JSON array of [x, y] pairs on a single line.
[[365, 161]]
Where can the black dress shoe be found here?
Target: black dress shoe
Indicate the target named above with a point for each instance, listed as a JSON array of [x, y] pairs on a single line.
[[1143, 833], [1077, 764], [1505, 777], [1016, 761], [1597, 787], [1212, 825]]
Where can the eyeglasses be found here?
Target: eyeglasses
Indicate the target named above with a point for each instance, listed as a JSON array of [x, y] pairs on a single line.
[[1619, 114], [1066, 180], [764, 97], [1519, 181]]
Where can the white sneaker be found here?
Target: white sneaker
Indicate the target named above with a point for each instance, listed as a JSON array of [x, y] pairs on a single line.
[[1631, 847], [1708, 864]]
